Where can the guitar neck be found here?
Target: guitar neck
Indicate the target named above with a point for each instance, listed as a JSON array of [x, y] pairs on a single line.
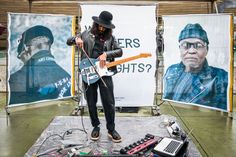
[[111, 64]]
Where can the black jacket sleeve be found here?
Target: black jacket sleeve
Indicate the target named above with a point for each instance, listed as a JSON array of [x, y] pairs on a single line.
[[115, 51], [71, 41]]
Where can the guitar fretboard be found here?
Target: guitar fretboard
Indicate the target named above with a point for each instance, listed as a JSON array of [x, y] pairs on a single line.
[[111, 64]]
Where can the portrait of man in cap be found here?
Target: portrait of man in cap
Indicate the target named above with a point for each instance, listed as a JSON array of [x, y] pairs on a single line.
[[99, 43], [40, 77], [193, 80]]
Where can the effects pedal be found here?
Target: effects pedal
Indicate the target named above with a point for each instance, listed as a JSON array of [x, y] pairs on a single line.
[[74, 152], [173, 129], [142, 145]]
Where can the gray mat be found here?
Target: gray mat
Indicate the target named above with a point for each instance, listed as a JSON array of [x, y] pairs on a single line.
[[131, 130]]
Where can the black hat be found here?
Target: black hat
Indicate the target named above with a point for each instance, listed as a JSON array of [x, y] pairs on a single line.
[[32, 33], [104, 19]]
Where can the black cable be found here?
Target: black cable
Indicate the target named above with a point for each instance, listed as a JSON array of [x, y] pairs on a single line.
[[48, 151], [80, 89], [69, 131], [46, 140], [161, 103], [80, 99], [82, 122], [188, 128]]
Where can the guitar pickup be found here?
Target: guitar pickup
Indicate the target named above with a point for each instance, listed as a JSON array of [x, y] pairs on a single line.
[[93, 77]]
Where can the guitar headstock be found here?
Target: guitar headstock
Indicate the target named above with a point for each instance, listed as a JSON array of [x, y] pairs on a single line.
[[144, 55]]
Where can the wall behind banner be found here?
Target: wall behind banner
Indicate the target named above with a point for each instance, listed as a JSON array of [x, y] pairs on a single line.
[[134, 84], [218, 55]]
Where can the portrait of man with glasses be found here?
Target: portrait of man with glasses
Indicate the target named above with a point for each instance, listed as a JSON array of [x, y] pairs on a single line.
[[193, 80]]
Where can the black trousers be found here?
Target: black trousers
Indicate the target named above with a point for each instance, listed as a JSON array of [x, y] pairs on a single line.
[[107, 98]]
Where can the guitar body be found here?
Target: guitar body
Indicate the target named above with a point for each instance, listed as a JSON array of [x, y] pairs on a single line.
[[89, 75]]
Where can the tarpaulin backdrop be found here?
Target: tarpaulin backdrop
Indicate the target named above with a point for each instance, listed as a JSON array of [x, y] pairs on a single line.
[[135, 31], [212, 86], [40, 64]]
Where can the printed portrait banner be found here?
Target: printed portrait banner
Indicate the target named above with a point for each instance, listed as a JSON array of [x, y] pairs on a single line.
[[135, 31], [40, 64], [198, 60]]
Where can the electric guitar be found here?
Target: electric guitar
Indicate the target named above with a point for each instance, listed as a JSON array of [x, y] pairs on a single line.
[[89, 74]]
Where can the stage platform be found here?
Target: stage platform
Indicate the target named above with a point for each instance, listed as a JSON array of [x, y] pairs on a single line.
[[131, 129]]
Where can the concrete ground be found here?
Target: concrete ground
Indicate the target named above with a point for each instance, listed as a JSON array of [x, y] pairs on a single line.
[[213, 132]]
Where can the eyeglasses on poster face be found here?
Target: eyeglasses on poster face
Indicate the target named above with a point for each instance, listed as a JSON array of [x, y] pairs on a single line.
[[196, 46]]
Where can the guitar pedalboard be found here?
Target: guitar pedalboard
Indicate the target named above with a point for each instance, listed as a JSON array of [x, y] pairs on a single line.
[[141, 146]]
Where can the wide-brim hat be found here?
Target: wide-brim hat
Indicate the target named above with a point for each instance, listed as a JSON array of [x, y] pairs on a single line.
[[104, 19]]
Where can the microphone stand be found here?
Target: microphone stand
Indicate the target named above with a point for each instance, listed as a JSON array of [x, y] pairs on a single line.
[[91, 63]]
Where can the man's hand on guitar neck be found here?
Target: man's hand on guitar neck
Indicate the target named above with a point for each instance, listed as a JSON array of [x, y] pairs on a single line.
[[102, 60]]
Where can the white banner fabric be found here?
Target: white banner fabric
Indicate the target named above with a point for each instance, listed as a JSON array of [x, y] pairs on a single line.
[[135, 31]]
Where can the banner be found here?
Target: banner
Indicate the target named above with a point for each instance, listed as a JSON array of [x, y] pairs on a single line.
[[198, 60], [135, 31], [39, 61]]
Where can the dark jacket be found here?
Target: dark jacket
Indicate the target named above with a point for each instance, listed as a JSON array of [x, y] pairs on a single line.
[[39, 79], [111, 47], [207, 87]]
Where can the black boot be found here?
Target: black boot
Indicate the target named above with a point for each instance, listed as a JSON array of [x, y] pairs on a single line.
[[95, 135], [114, 135]]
